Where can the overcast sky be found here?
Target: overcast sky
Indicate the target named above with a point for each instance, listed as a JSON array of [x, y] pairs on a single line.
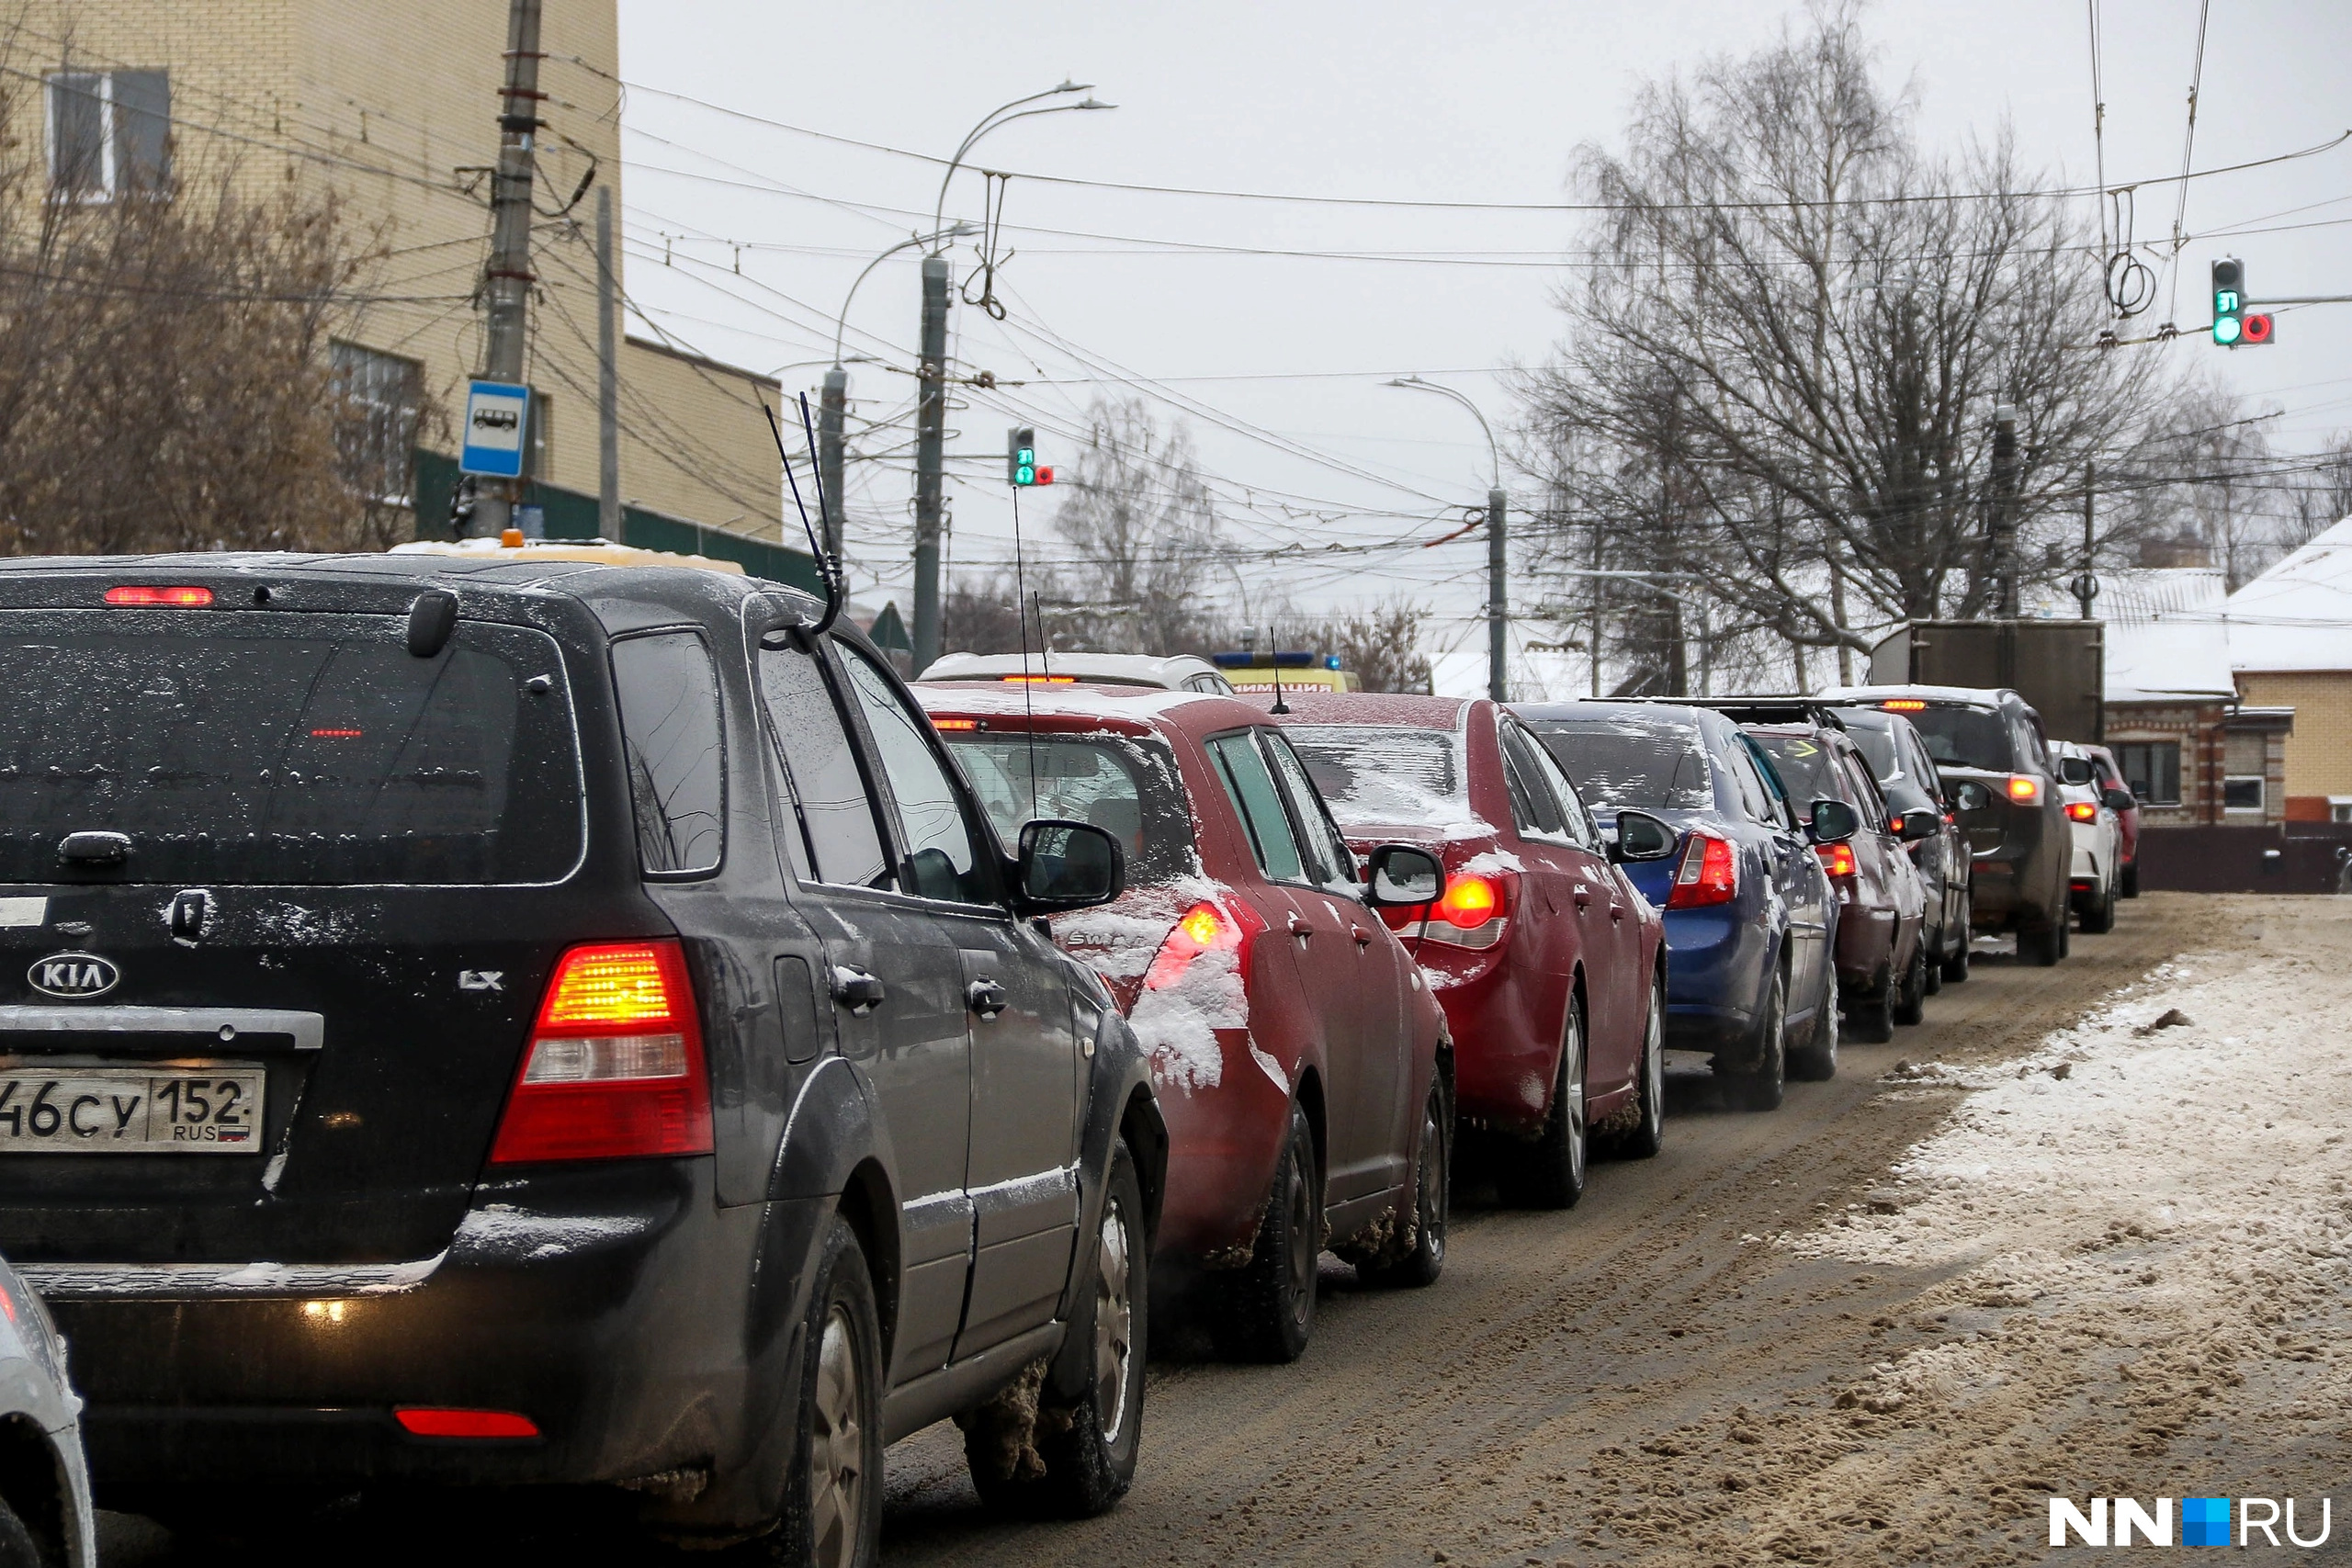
[[1275, 363]]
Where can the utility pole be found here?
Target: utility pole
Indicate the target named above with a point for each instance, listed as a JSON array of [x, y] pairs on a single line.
[[1498, 600], [507, 281], [608, 374], [2087, 585], [2004, 513], [832, 406], [931, 418]]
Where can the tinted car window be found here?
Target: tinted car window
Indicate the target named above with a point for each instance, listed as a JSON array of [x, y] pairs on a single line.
[[1127, 787], [1376, 774], [1251, 789], [1326, 850], [286, 749], [668, 692], [1863, 791], [1530, 802], [1581, 828], [1632, 762], [939, 859], [836, 811], [1807, 769], [1965, 737], [1904, 776]]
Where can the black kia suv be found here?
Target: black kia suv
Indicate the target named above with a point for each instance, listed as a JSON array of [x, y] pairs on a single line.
[[496, 1020], [1989, 751]]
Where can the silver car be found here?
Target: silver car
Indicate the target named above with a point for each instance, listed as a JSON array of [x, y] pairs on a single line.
[[45, 1519]]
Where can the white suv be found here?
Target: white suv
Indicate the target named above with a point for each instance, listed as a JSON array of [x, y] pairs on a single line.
[[2094, 881]]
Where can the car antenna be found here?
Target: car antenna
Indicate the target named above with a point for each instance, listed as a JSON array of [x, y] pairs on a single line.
[[829, 567], [1274, 659]]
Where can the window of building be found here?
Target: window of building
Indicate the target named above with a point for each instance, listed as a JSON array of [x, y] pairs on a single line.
[[379, 396], [110, 134], [2339, 808], [2152, 770], [2242, 792], [2243, 753]]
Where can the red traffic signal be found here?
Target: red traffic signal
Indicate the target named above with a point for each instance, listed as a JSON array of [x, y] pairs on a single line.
[[2259, 329], [1045, 476]]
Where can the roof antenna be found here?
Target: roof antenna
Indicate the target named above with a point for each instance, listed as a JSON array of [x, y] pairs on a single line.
[[1274, 659], [829, 567]]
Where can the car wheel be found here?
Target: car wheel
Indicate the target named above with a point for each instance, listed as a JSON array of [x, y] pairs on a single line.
[[1870, 1017], [1549, 1173], [2065, 933], [1421, 1263], [1759, 1088], [1085, 1443], [1817, 1060], [832, 1493], [1647, 1135], [1955, 962], [1911, 1001], [2129, 884], [2045, 946], [1268, 1312]]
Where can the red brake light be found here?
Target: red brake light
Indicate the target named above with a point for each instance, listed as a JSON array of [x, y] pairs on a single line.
[[1708, 874], [2025, 789], [2083, 810], [614, 1066], [955, 724], [1903, 704], [1040, 680], [1469, 901], [1838, 860], [175, 598], [419, 1421], [1204, 927]]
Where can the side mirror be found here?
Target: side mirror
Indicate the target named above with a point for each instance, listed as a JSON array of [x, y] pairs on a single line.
[[1833, 822], [1973, 796], [1402, 875], [2076, 770], [2118, 799], [1920, 822], [1640, 837], [1067, 865]]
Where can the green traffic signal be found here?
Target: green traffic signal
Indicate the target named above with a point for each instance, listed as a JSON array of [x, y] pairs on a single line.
[[2227, 330]]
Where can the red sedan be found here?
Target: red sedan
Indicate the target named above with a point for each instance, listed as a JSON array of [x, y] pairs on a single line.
[[1304, 1069], [1550, 965]]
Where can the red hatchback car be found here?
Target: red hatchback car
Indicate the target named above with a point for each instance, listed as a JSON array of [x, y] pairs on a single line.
[[1305, 1070], [1550, 965]]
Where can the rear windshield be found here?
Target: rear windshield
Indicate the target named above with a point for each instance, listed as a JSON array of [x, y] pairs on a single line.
[[272, 748], [1806, 769], [1965, 737], [1627, 762], [1875, 739], [1126, 787], [1376, 774]]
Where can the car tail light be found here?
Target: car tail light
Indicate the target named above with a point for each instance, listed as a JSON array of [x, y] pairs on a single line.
[[421, 1421], [1903, 704], [1708, 874], [1039, 680], [1838, 860], [2025, 789], [1206, 926], [955, 724], [174, 598], [615, 1068], [1474, 911], [2083, 810]]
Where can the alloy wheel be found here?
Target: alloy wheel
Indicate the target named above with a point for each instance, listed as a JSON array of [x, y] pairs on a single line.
[[1113, 1322], [1434, 1177], [1572, 1093], [1653, 1058], [837, 1447], [1303, 1249]]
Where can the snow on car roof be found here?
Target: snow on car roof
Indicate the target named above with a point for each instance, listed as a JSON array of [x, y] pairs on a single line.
[[1141, 704]]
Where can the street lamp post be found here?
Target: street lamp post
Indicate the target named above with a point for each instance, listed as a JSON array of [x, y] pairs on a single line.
[[931, 371], [833, 401], [1497, 545]]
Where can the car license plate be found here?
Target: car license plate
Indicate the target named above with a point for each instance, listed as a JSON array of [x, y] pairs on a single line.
[[214, 1109]]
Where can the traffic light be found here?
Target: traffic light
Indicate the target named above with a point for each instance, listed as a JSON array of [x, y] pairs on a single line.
[[2228, 302], [2259, 329], [1021, 467]]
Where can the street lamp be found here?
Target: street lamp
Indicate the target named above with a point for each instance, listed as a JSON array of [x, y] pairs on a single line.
[[1497, 553], [931, 371]]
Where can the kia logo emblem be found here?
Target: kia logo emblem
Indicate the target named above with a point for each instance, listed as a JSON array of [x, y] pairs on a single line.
[[74, 974]]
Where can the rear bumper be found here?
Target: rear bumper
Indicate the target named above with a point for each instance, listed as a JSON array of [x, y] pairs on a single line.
[[1506, 1055], [1714, 977], [1222, 1141], [627, 1332], [1865, 944]]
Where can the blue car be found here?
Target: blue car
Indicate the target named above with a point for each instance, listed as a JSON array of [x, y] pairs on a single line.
[[1750, 920]]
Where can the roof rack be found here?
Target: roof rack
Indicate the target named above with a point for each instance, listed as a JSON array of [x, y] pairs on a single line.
[[1784, 709], [603, 552]]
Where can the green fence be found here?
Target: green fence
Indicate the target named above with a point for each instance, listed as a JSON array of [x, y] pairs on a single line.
[[571, 515]]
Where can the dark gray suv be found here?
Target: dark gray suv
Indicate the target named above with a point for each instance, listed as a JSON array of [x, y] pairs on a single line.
[[497, 1020]]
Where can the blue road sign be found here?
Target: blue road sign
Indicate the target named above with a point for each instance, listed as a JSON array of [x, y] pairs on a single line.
[[497, 416]]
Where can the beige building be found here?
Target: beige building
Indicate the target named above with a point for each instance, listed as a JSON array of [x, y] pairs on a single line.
[[393, 108]]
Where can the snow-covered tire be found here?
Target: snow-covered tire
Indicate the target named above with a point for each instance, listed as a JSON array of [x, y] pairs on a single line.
[[1267, 1310], [832, 1490], [1422, 1261], [1549, 1173], [1817, 1060], [1761, 1087]]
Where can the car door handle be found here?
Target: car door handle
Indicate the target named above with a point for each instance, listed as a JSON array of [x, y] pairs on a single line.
[[986, 998], [1363, 937], [856, 989], [1301, 929], [1616, 911], [1583, 898]]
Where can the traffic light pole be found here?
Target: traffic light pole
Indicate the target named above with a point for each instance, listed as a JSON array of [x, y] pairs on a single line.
[[931, 418], [1497, 599], [507, 281]]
